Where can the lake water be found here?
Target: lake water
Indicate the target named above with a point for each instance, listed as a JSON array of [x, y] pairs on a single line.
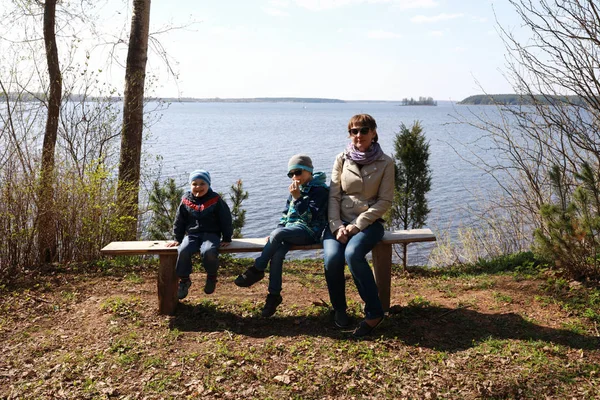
[[253, 142]]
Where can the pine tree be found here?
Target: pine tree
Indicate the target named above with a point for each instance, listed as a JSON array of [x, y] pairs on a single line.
[[413, 180], [237, 196], [164, 201], [571, 235]]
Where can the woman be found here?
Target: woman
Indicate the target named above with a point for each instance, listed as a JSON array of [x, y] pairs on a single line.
[[361, 191]]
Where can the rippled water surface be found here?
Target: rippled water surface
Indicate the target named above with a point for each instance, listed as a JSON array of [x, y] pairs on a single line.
[[253, 142]]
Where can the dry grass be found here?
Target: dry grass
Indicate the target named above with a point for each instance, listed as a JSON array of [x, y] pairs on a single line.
[[96, 335]]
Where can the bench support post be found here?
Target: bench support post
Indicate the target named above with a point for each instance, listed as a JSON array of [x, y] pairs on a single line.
[[382, 265], [167, 284]]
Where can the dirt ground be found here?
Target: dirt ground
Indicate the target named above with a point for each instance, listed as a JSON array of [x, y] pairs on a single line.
[[96, 334]]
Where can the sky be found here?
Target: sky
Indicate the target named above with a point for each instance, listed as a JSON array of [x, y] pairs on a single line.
[[342, 49]]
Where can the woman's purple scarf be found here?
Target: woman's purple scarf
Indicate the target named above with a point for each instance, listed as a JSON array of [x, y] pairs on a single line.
[[363, 158]]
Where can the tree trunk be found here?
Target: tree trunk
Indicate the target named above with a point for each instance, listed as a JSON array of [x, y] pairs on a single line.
[[46, 210], [133, 118]]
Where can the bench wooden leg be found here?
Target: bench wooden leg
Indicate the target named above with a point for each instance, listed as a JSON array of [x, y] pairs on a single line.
[[382, 265], [167, 284]]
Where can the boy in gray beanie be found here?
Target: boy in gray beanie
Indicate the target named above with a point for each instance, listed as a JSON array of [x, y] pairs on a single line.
[[202, 219], [302, 223]]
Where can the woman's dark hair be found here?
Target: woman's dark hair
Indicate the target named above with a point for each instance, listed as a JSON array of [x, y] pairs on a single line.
[[364, 120]]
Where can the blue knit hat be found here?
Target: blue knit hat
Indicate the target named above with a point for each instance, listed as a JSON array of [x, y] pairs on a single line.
[[200, 174]]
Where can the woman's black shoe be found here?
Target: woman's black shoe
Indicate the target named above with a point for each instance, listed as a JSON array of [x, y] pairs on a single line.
[[341, 319], [365, 329]]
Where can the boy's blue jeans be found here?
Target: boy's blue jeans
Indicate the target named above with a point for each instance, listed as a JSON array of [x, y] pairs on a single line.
[[354, 252], [207, 244], [279, 243]]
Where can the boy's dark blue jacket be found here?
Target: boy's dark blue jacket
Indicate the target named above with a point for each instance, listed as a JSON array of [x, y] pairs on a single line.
[[209, 213], [310, 210]]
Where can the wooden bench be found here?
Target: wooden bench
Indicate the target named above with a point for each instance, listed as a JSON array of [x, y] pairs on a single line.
[[167, 278]]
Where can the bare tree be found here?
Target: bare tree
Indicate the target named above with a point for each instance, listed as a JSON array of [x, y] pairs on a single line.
[[46, 218], [133, 109], [553, 63], [85, 149], [56, 183]]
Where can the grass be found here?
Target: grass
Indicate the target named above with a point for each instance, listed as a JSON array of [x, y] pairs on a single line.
[[496, 330]]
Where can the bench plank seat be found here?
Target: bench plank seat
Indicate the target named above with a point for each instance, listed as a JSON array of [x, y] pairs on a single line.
[[167, 279]]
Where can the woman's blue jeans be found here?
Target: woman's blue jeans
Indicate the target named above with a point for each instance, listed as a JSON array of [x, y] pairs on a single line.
[[279, 243], [354, 253], [207, 244]]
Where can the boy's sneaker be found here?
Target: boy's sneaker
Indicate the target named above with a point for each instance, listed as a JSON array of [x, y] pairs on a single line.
[[211, 283], [250, 277], [273, 300], [184, 286]]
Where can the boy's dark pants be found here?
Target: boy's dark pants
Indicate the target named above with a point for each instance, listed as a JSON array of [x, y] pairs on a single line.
[[279, 243], [207, 244]]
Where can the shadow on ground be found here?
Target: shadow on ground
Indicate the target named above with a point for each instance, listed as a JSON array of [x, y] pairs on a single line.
[[438, 328]]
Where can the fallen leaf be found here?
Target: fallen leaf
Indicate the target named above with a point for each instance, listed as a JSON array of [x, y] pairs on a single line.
[[283, 379]]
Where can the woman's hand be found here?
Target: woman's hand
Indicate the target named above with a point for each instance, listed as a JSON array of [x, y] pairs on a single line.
[[224, 244], [295, 189], [174, 243], [341, 235], [352, 230]]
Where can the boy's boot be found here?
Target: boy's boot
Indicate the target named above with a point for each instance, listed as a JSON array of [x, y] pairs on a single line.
[[182, 290], [250, 277], [211, 283], [273, 300]]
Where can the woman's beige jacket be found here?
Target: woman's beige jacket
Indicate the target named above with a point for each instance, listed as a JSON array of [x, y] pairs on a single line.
[[360, 196]]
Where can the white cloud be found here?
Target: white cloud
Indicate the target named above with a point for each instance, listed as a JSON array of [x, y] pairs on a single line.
[[479, 19], [436, 33], [220, 30], [380, 34], [459, 49], [275, 12], [279, 3], [319, 5], [435, 18], [407, 4], [227, 32]]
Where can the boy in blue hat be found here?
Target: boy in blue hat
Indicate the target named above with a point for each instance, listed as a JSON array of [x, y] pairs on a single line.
[[303, 221], [202, 219]]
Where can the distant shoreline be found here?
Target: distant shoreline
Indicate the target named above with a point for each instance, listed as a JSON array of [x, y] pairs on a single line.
[[76, 97], [518, 100], [266, 100]]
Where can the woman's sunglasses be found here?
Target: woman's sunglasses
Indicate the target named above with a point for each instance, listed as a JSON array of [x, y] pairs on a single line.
[[297, 172], [363, 131]]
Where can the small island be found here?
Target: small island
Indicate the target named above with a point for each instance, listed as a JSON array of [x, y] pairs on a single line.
[[422, 101]]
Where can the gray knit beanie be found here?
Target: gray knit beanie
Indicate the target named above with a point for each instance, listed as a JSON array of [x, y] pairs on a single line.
[[300, 161]]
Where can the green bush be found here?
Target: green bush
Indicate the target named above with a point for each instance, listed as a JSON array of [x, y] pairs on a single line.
[[571, 236]]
